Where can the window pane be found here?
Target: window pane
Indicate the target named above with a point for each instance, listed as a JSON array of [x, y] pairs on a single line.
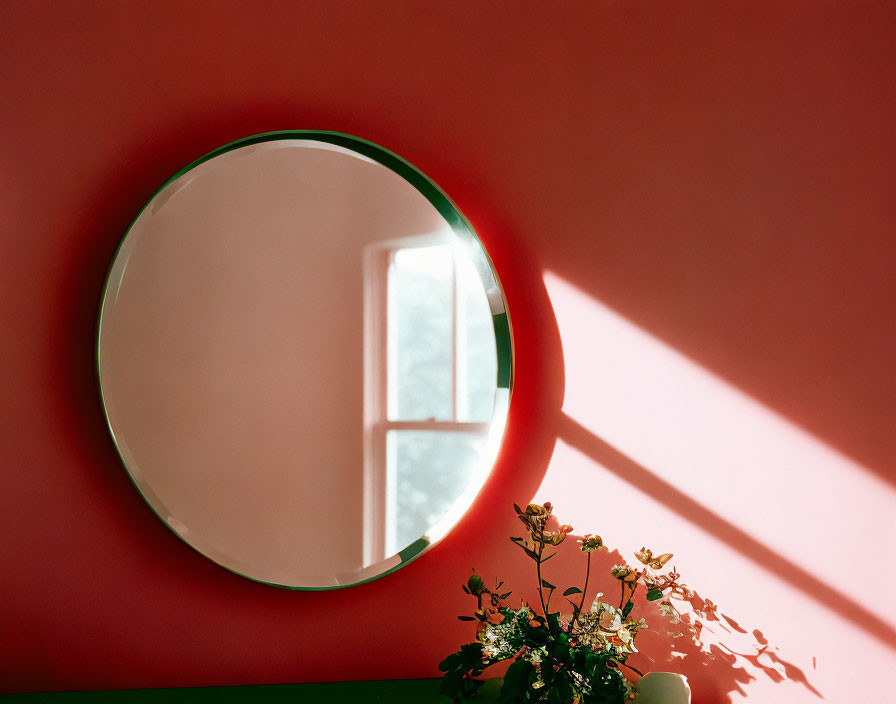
[[420, 334], [427, 471], [478, 356]]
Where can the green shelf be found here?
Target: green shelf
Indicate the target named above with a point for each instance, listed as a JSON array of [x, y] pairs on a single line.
[[379, 692]]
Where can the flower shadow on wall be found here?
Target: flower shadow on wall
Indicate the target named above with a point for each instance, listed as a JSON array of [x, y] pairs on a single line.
[[688, 634], [760, 514], [715, 652]]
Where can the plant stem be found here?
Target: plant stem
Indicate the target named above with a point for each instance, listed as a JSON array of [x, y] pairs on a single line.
[[632, 595], [544, 607], [584, 592], [633, 669]]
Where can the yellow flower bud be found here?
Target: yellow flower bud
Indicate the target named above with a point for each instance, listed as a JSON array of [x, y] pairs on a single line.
[[476, 585], [623, 572], [590, 543]]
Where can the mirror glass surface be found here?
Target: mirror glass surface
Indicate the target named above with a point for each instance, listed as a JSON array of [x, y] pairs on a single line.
[[304, 359]]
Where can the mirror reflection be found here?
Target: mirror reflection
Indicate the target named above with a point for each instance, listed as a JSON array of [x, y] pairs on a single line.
[[304, 359]]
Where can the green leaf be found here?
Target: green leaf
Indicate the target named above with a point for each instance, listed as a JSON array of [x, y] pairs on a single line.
[[548, 674], [565, 693], [466, 618], [516, 681], [628, 609], [471, 655], [554, 621], [517, 508], [545, 559], [503, 596], [559, 648], [653, 594], [452, 685], [572, 590], [530, 553], [464, 587], [547, 585], [452, 662], [534, 635]]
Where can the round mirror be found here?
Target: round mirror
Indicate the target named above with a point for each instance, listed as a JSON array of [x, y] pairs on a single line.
[[304, 359]]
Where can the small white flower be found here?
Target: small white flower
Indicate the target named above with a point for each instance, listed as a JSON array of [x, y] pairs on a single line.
[[625, 636]]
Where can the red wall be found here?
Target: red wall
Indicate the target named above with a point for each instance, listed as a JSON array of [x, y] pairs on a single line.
[[721, 175]]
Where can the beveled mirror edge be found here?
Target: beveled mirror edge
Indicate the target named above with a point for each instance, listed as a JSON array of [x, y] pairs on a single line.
[[448, 209]]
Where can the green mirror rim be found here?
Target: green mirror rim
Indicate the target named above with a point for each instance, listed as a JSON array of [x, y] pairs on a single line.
[[446, 208]]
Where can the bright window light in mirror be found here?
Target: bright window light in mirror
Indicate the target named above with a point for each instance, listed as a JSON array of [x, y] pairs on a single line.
[[421, 333], [441, 345], [430, 315], [427, 471]]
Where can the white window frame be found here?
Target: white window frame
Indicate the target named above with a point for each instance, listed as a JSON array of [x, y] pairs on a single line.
[[379, 528]]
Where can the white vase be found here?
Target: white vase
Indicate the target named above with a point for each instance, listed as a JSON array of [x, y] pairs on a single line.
[[663, 688]]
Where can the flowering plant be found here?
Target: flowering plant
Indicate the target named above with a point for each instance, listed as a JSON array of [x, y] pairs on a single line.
[[574, 658]]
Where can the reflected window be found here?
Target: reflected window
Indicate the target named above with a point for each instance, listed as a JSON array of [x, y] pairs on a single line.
[[430, 388]]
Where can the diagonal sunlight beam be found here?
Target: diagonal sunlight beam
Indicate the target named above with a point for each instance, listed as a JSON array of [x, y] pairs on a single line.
[[723, 463], [650, 484], [717, 445]]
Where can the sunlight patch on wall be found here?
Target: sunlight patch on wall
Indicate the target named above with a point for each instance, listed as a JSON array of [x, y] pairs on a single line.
[[723, 449]]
